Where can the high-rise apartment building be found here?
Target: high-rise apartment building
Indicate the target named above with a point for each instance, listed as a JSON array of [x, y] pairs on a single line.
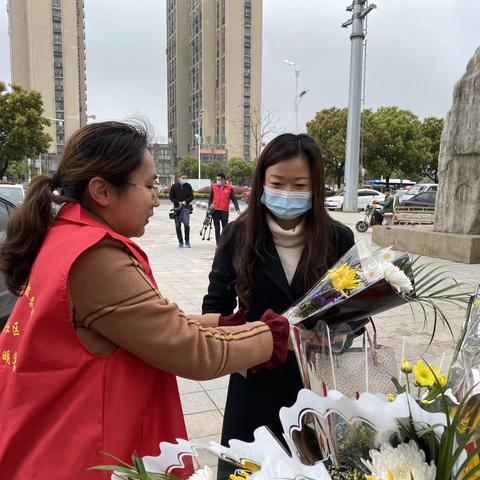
[[214, 63], [162, 156], [47, 46]]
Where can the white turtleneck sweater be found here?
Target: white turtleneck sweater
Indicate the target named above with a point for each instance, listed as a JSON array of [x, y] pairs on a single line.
[[289, 245]]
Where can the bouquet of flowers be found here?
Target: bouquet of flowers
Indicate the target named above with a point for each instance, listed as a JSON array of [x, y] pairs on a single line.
[[334, 347], [366, 282]]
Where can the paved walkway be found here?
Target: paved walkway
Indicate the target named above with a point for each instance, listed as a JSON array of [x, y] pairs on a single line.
[[182, 276]]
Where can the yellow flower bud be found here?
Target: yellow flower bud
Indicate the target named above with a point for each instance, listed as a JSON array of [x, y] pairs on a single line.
[[442, 380], [406, 366]]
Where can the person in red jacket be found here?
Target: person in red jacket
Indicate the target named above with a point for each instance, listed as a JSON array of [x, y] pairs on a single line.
[[90, 352], [220, 196]]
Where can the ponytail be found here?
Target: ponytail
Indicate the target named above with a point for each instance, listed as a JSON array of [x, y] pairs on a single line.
[[111, 150], [25, 232]]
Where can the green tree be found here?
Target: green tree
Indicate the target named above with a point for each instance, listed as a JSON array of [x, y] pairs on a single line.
[[329, 130], [189, 166], [399, 145], [211, 169], [240, 171], [432, 128], [17, 171], [21, 126]]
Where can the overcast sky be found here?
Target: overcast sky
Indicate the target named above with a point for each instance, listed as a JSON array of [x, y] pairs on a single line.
[[417, 50]]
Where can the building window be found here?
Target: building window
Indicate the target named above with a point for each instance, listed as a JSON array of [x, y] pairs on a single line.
[[56, 3], [57, 48]]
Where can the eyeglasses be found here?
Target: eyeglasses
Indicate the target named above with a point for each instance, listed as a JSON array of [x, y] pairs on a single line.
[[154, 190]]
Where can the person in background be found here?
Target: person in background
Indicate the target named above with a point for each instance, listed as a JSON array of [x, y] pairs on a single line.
[[269, 257], [387, 207], [220, 197], [181, 195], [91, 349]]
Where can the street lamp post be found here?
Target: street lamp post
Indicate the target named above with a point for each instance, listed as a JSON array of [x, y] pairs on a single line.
[[198, 136], [298, 99], [352, 153], [297, 103]]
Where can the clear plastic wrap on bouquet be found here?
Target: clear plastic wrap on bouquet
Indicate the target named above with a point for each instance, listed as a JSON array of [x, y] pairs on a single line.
[[464, 372], [464, 375], [364, 282], [347, 359]]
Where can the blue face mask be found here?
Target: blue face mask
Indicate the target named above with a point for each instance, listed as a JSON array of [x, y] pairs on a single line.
[[286, 205]]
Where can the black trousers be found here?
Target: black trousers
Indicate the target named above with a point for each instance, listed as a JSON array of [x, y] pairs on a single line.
[[219, 217]]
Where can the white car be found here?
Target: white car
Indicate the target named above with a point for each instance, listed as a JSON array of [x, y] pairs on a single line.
[[365, 197], [14, 193], [418, 188]]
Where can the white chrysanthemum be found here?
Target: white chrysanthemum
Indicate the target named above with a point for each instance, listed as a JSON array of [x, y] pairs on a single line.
[[203, 474], [391, 273], [404, 462], [386, 255]]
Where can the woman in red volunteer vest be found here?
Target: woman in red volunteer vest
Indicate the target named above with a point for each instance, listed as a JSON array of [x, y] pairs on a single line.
[[90, 352]]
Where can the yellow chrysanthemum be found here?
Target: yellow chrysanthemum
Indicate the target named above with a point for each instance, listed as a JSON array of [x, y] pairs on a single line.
[[390, 397], [470, 419], [442, 380], [344, 278], [250, 466], [471, 465], [425, 375], [240, 475], [406, 366]]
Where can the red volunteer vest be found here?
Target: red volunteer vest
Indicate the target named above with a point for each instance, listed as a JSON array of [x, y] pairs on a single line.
[[61, 406], [221, 197]]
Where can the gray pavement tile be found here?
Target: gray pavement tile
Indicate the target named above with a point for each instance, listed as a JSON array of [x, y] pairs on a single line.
[[188, 386], [221, 382], [203, 424], [196, 402], [219, 397]]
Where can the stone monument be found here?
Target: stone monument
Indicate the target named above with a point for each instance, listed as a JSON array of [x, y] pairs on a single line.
[[458, 197], [456, 231]]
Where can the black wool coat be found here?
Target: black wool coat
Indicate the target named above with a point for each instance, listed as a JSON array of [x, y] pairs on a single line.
[[256, 400]]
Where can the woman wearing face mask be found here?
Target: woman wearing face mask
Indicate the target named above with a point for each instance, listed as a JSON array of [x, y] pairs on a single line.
[[268, 258]]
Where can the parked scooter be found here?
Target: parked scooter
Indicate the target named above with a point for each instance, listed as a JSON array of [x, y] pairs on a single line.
[[372, 217]]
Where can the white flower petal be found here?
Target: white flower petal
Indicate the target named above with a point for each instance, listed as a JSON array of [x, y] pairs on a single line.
[[203, 474], [405, 462]]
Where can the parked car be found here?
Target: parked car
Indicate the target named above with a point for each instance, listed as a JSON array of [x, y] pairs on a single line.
[[14, 193], [365, 197], [418, 188], [399, 194], [7, 299], [424, 199]]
